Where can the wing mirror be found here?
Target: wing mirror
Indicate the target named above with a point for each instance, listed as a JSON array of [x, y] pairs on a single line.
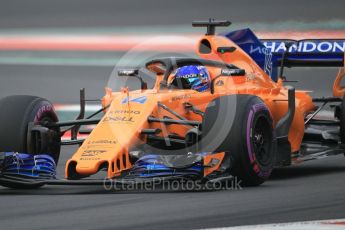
[[232, 72], [227, 73], [226, 49], [132, 73]]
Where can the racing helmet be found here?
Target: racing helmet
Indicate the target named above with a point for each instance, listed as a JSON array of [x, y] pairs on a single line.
[[194, 77]]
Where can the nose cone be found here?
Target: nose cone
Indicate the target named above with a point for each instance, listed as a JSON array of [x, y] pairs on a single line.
[[120, 128]]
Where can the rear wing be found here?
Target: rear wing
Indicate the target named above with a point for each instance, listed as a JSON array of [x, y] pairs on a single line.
[[270, 54], [307, 52]]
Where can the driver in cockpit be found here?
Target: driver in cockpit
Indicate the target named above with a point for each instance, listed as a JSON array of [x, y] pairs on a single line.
[[194, 77]]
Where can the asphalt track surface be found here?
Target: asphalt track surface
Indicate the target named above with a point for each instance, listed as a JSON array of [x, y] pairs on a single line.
[[313, 190]]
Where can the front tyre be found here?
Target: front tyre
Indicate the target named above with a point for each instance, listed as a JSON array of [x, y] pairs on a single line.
[[247, 136], [16, 112]]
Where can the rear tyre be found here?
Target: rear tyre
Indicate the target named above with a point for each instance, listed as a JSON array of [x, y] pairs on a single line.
[[242, 127], [16, 112]]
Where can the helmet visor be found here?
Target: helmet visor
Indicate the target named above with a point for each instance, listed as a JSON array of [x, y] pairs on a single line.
[[186, 83]]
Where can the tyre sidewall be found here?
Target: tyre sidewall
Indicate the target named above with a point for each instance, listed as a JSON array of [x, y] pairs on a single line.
[[255, 109]]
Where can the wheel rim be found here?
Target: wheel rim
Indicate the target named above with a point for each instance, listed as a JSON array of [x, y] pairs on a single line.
[[262, 140], [54, 150]]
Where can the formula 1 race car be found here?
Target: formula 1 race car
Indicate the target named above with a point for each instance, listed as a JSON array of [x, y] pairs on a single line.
[[244, 124]]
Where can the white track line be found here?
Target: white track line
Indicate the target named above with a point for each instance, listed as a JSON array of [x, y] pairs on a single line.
[[75, 108], [333, 224]]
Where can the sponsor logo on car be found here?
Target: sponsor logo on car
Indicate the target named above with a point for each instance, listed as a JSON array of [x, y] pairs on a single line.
[[104, 141], [220, 83], [90, 158], [136, 112], [304, 46], [92, 153], [118, 119], [140, 100], [181, 97]]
